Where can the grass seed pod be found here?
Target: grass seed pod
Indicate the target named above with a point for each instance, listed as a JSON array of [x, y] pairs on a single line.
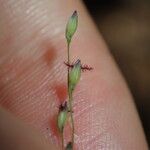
[[75, 74], [71, 26], [62, 117]]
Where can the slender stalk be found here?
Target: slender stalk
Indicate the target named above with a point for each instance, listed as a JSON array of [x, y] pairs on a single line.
[[68, 55], [70, 96], [62, 140], [71, 115]]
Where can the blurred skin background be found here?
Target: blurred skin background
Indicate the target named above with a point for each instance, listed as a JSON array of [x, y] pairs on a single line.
[[125, 26]]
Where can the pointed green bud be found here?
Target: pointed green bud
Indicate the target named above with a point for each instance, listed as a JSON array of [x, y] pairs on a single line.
[[69, 146], [62, 116], [71, 26], [62, 120], [74, 75]]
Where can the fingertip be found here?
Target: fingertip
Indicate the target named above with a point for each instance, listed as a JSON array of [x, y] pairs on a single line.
[[16, 135]]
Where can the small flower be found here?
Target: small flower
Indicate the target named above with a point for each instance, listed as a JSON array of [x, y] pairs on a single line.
[[71, 26], [83, 67], [74, 75], [69, 146], [63, 107]]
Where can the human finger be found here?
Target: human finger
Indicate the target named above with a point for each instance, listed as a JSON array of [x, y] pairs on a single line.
[[33, 76]]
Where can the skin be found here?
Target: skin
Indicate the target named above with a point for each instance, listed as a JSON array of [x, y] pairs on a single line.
[[33, 81]]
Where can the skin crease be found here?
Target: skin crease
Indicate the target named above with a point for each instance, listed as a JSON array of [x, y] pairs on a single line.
[[32, 52]]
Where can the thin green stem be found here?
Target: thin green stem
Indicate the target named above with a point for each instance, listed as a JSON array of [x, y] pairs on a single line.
[[70, 96], [71, 115], [68, 52], [62, 140]]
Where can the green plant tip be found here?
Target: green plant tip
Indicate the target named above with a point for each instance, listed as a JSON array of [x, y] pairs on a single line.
[[75, 74], [62, 117], [71, 26]]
